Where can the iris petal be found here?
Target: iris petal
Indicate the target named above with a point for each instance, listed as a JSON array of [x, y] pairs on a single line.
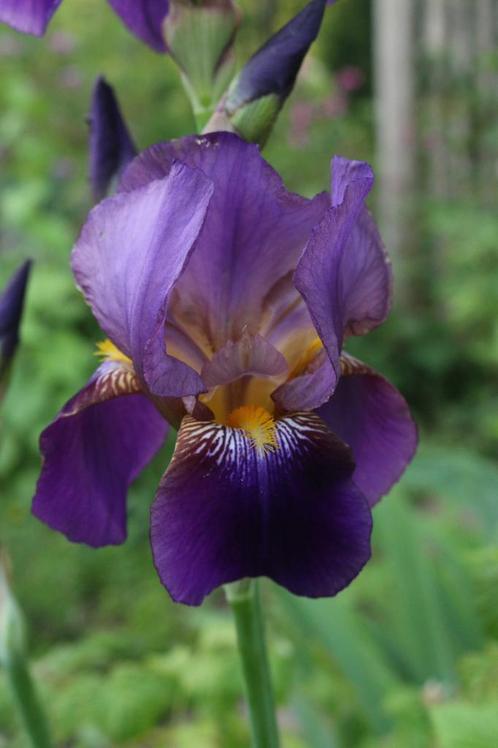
[[97, 445], [225, 511], [28, 16], [309, 390], [251, 355], [344, 273], [370, 415], [255, 230], [144, 18], [140, 243]]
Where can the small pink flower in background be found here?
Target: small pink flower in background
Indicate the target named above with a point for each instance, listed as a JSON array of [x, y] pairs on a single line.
[[350, 78]]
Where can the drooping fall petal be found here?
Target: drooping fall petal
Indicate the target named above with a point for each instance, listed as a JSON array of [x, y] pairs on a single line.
[[92, 451], [370, 415], [225, 510]]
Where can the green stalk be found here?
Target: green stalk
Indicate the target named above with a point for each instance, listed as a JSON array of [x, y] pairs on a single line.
[[13, 659], [245, 603], [28, 704]]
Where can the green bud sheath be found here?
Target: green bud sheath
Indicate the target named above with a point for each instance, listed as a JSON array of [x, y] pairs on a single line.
[[200, 39]]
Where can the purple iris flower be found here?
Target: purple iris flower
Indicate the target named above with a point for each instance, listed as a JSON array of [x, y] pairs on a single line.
[[144, 18], [226, 301]]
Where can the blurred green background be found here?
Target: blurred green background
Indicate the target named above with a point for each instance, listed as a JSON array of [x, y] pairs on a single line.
[[408, 656]]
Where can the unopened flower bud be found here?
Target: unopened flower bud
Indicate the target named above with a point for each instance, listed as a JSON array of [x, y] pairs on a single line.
[[260, 90], [111, 145], [11, 307]]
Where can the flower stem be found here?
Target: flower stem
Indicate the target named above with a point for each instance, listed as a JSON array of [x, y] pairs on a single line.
[[244, 600], [29, 707]]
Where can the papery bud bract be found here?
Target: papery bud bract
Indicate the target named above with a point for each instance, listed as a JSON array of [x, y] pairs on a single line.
[[111, 145], [11, 307], [261, 88], [200, 37]]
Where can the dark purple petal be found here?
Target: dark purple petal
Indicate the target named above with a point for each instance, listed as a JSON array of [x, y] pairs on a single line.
[[145, 19], [309, 390], [11, 307], [97, 445], [129, 255], [255, 230], [251, 355], [29, 16], [370, 415], [344, 273], [111, 146], [225, 510], [274, 67]]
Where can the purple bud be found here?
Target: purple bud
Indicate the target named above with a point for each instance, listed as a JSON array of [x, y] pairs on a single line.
[[11, 306], [274, 67], [111, 146]]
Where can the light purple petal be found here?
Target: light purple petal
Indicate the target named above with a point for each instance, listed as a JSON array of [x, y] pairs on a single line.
[[344, 273], [370, 415], [129, 255], [94, 449], [309, 390], [28, 16], [251, 355], [145, 19], [255, 230], [225, 511]]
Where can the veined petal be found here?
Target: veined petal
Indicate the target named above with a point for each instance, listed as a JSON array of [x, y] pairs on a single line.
[[145, 19], [225, 510], [251, 355], [344, 274], [255, 230], [92, 451], [370, 415], [310, 389], [28, 16], [129, 255]]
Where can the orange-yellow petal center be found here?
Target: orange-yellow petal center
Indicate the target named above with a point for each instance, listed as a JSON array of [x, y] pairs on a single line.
[[107, 351], [258, 425], [306, 358]]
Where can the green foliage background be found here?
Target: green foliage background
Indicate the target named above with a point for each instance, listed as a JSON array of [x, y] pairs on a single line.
[[408, 655]]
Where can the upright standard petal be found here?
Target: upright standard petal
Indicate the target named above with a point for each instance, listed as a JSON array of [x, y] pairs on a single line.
[[28, 16], [128, 257], [227, 510], [11, 308], [254, 233], [145, 19], [94, 449], [370, 415], [344, 274], [111, 146]]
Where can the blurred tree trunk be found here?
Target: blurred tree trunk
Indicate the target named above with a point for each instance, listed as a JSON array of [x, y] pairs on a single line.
[[434, 49], [487, 88], [393, 22]]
